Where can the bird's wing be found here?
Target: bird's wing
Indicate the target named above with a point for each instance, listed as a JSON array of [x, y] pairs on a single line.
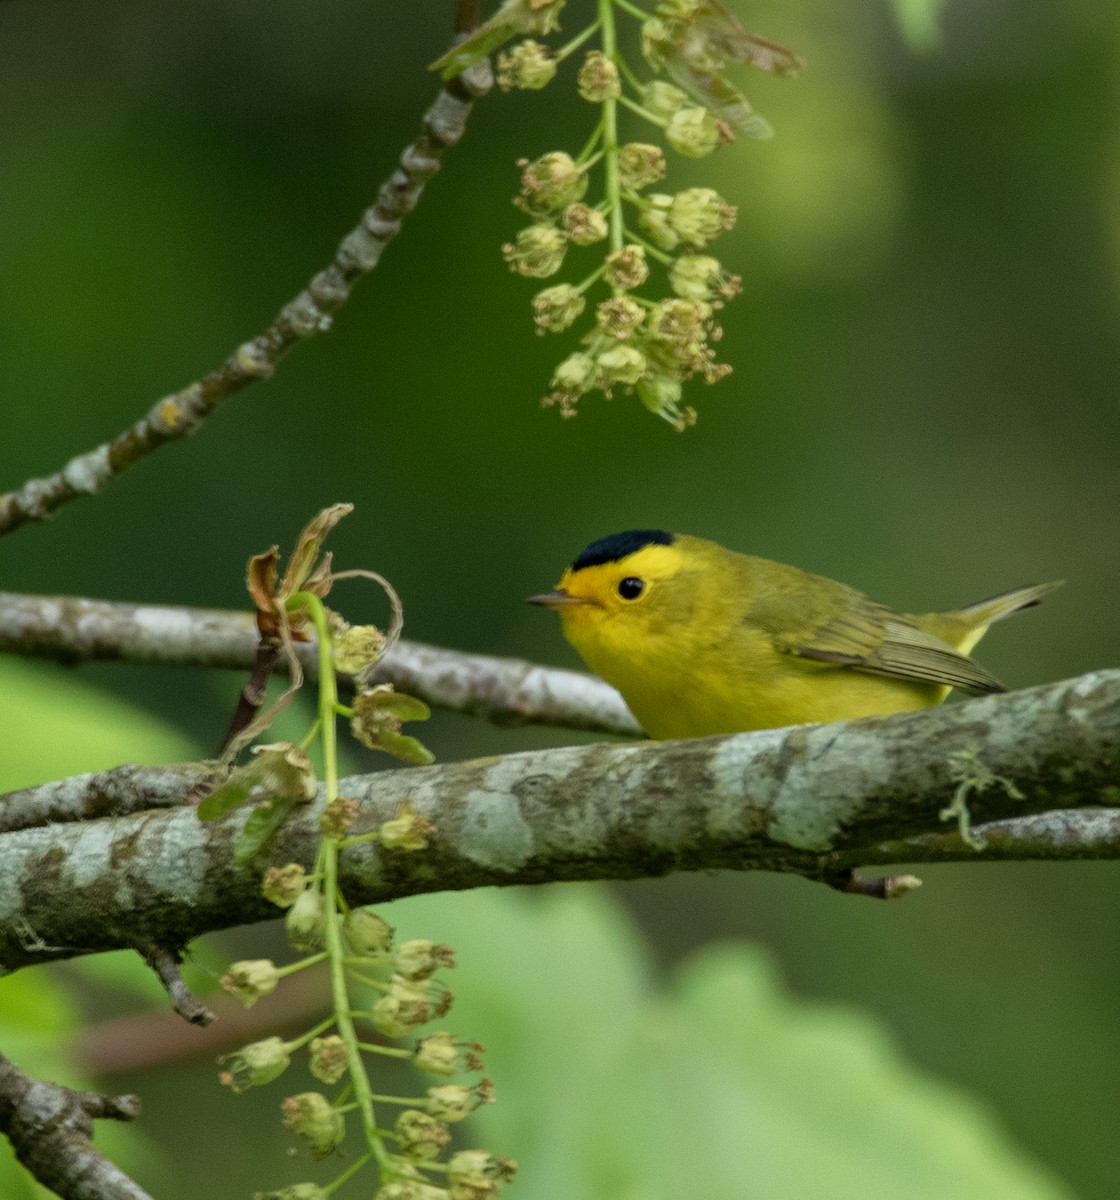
[[869, 637]]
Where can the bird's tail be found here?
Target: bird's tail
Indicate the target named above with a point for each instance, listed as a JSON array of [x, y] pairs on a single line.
[[971, 623]]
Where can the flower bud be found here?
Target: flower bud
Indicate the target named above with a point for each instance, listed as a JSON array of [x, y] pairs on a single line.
[[695, 276], [283, 769], [698, 214], [419, 958], [337, 817], [328, 1058], [440, 1054], [556, 308], [251, 979], [551, 182], [284, 885], [641, 164], [621, 364], [654, 222], [693, 132], [366, 932], [626, 268], [575, 374], [421, 1136], [404, 1006], [598, 79], [358, 648], [663, 99], [255, 1064], [407, 831], [477, 1174], [583, 225], [619, 317], [537, 252], [528, 65], [311, 1116], [661, 396], [410, 1189], [656, 42], [304, 922], [455, 1101]]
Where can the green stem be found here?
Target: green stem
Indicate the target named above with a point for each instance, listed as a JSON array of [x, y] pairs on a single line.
[[629, 75], [327, 860], [576, 42], [302, 965], [644, 113], [391, 1051], [350, 1170], [633, 10], [304, 1038], [613, 180]]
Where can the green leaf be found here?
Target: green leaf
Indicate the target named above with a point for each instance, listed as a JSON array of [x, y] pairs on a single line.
[[261, 826], [229, 796], [719, 1084]]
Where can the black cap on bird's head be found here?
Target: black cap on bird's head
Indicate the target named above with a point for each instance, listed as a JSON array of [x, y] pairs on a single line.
[[618, 546]]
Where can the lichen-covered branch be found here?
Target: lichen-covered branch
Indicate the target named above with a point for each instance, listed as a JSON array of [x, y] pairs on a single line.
[[811, 799], [504, 690], [51, 1127], [310, 312]]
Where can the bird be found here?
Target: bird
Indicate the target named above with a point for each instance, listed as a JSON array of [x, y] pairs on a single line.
[[701, 640]]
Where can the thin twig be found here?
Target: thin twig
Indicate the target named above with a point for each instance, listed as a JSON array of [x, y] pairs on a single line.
[[50, 1128], [183, 412], [165, 963]]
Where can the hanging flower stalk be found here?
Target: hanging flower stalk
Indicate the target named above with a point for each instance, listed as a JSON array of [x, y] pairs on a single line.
[[648, 345]]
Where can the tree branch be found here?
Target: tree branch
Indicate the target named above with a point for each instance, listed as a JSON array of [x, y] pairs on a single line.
[[813, 800], [310, 312], [50, 1128], [504, 690]]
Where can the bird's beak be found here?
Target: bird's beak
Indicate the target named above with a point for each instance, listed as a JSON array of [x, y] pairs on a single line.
[[556, 599]]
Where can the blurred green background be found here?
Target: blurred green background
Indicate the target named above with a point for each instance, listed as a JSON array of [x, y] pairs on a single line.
[[924, 404]]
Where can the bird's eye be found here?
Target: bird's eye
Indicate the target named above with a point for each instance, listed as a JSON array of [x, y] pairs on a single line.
[[631, 587]]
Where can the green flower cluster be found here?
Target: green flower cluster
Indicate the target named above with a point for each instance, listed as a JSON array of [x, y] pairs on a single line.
[[643, 345]]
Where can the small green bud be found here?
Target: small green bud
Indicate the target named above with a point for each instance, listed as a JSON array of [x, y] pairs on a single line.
[[304, 922], [537, 252], [641, 164], [656, 42], [693, 132], [477, 1174], [528, 65], [410, 1189], [366, 932], [284, 885], [404, 1006], [283, 769], [311, 1116], [699, 214], [583, 225], [626, 268], [598, 79], [551, 182], [328, 1058], [255, 1064], [663, 99], [575, 374], [619, 317], [697, 277], [407, 831], [440, 1054], [358, 648], [419, 959], [421, 1136], [621, 364], [662, 397], [337, 817], [455, 1101], [251, 979], [654, 222], [556, 308]]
